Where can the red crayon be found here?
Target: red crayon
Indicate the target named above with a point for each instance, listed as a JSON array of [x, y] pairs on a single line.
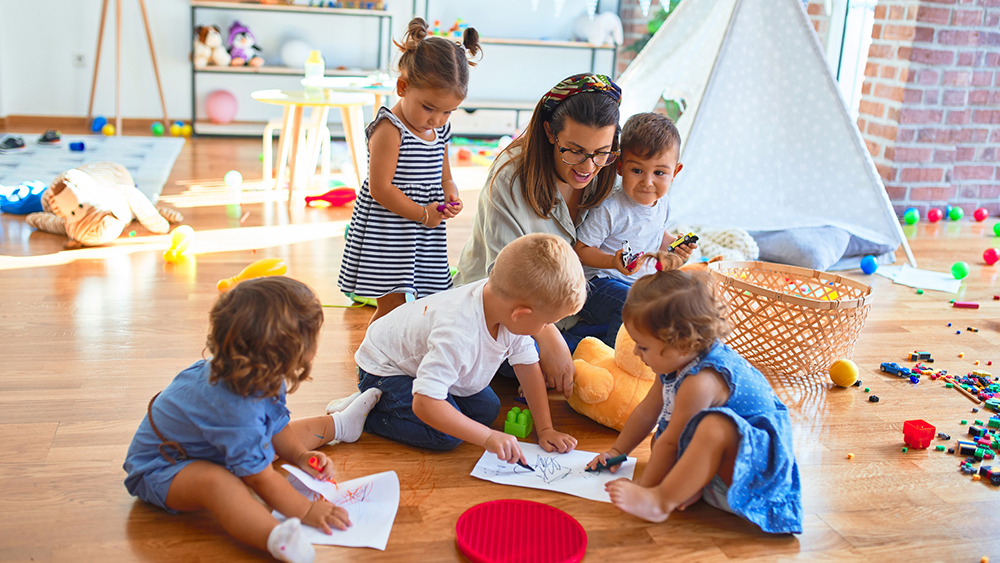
[[314, 463], [966, 305]]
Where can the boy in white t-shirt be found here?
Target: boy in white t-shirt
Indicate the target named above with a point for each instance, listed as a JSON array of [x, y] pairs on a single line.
[[637, 214], [433, 358]]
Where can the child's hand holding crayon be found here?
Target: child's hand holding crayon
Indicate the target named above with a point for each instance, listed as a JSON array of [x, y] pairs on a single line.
[[317, 464]]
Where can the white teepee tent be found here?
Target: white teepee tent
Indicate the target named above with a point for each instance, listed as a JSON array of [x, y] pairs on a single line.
[[768, 142]]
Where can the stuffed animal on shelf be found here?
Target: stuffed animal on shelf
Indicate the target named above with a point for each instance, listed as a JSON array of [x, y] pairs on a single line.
[[243, 46], [610, 383], [208, 47], [602, 29], [92, 205]]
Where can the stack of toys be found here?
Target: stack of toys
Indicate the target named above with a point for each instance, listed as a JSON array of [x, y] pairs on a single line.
[[456, 30]]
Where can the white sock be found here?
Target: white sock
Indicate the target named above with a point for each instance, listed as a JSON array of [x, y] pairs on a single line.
[[338, 405], [286, 543], [349, 422]]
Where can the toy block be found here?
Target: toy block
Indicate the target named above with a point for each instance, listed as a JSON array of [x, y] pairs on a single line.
[[918, 433], [519, 422]]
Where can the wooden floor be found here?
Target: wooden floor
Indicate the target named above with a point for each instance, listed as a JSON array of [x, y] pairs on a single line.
[[88, 336]]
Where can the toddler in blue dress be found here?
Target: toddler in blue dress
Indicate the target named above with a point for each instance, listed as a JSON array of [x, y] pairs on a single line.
[[215, 430], [710, 398]]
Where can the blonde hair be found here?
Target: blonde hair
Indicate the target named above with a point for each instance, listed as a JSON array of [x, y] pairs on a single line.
[[436, 63], [677, 307], [264, 331], [541, 270]]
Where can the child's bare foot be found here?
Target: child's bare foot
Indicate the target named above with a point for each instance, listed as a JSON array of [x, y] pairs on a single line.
[[694, 498], [637, 501]]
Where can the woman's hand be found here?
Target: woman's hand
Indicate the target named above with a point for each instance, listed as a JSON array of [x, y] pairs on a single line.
[[322, 514]]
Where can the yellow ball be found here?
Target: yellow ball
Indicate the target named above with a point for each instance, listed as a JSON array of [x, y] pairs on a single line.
[[108, 130], [186, 130], [175, 130], [844, 373]]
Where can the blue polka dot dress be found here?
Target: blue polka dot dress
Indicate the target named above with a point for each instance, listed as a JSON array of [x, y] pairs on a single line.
[[765, 488]]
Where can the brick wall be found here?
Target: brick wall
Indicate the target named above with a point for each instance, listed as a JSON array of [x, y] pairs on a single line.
[[634, 24], [819, 19], [930, 110]]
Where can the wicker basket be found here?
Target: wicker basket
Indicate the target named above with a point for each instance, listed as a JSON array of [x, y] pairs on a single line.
[[791, 321]]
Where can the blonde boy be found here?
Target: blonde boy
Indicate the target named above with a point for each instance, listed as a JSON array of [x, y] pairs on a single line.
[[433, 358], [637, 214]]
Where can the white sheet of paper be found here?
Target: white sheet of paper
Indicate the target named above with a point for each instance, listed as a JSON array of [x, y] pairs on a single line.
[[920, 279], [562, 473], [371, 503]]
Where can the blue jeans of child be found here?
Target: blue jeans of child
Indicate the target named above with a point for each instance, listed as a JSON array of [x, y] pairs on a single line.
[[601, 316], [393, 416]]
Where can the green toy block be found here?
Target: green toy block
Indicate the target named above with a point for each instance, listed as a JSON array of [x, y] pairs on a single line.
[[994, 423], [904, 450], [964, 422], [939, 448], [519, 422], [867, 389], [948, 385], [979, 423]]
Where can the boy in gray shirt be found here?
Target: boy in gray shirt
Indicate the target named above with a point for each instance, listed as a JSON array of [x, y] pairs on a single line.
[[635, 214]]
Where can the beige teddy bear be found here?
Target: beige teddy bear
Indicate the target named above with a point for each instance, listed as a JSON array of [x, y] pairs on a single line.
[[93, 203]]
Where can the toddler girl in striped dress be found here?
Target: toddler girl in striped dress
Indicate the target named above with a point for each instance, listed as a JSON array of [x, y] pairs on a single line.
[[396, 243]]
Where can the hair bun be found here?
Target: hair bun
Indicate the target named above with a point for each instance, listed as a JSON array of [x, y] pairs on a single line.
[[416, 32], [470, 40]]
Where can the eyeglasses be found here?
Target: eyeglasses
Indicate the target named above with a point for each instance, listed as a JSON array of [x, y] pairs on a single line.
[[600, 158]]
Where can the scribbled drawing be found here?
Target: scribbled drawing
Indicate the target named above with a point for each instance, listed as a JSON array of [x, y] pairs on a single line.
[[356, 495], [550, 470]]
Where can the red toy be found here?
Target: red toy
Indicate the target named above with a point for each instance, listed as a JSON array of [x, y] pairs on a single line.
[[336, 197], [918, 433], [519, 530], [934, 215], [991, 256], [981, 214]]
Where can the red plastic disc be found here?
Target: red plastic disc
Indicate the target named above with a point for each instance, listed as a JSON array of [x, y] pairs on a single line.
[[519, 530]]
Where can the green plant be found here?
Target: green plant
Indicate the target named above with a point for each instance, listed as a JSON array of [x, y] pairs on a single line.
[[654, 24]]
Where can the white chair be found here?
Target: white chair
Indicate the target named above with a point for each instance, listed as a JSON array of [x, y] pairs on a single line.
[[315, 130]]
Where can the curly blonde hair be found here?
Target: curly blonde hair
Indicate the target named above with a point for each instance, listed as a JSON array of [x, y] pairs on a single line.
[[262, 332], [677, 307]]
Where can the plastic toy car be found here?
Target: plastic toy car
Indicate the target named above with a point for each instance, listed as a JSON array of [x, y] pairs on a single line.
[[629, 258], [689, 238], [895, 369]]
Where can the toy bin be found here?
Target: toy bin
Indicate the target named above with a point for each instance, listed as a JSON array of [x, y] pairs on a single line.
[[918, 434], [791, 321]]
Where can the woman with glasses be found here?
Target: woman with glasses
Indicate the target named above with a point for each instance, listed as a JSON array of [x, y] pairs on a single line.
[[545, 182]]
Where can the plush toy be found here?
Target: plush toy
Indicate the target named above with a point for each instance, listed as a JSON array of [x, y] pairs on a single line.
[[243, 46], [602, 29], [610, 383], [208, 47], [94, 203]]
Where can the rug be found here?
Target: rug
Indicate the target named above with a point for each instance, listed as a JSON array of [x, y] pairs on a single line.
[[148, 159]]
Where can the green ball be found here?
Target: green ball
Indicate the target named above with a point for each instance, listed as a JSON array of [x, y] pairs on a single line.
[[956, 213], [996, 229], [157, 129], [960, 270], [911, 216]]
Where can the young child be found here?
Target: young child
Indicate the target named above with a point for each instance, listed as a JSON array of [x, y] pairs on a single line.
[[707, 397], [397, 242], [433, 359], [636, 214], [215, 430]]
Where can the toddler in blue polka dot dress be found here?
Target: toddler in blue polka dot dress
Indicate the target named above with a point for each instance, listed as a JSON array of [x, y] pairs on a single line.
[[722, 435]]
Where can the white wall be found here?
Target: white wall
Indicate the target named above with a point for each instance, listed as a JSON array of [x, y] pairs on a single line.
[[38, 76]]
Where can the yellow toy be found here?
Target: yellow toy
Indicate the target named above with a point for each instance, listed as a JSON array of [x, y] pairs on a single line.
[[180, 240], [259, 269], [608, 383], [108, 130], [844, 373]]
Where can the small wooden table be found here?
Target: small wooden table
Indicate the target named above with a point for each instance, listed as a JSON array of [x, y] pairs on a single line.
[[295, 102], [346, 85]]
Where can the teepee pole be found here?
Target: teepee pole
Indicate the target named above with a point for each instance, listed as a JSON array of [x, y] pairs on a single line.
[[97, 61], [118, 68], [152, 55]]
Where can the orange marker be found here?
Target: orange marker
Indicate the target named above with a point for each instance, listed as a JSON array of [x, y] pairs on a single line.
[[314, 463]]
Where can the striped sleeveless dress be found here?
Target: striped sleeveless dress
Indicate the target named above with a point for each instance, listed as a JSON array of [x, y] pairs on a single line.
[[386, 253]]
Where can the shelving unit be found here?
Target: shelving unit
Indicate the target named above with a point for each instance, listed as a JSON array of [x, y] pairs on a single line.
[[381, 61]]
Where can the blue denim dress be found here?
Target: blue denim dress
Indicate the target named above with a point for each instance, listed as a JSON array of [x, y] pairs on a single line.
[[765, 488], [211, 423]]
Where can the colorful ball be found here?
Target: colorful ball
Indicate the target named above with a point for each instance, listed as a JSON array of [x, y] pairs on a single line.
[[844, 373], [97, 124], [108, 130], [911, 216], [991, 256], [156, 129], [956, 213], [869, 264], [934, 215], [175, 130], [960, 270], [981, 214], [996, 229], [186, 130], [220, 106], [233, 179]]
